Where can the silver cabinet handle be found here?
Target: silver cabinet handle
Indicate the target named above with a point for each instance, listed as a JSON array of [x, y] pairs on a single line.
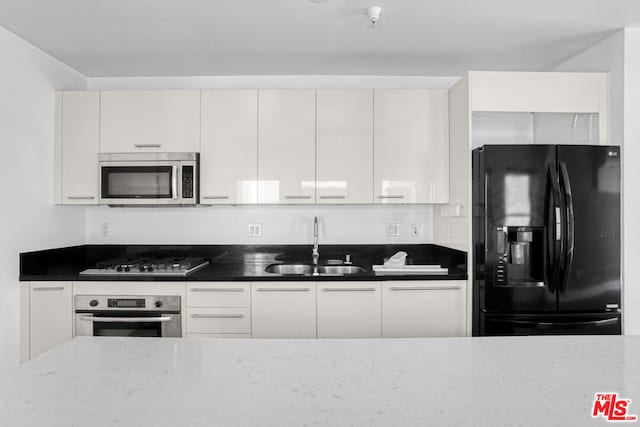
[[349, 289], [81, 197], [333, 197], [283, 289], [297, 197], [147, 145], [126, 319], [394, 196], [217, 290], [216, 316], [425, 288], [215, 197], [54, 288]]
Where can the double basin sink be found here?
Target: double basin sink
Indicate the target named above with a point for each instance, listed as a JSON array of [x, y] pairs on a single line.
[[307, 269]]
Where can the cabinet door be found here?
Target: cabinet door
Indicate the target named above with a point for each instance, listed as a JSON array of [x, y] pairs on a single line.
[[51, 315], [78, 144], [150, 121], [344, 151], [411, 146], [349, 310], [283, 310], [423, 309], [229, 147], [286, 146]]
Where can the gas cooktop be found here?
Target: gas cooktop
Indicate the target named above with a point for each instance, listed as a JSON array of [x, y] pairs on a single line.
[[147, 266]]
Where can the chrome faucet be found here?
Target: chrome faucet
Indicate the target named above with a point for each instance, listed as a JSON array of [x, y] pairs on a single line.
[[315, 254]]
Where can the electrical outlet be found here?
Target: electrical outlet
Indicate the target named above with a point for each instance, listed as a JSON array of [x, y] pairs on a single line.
[[415, 229], [255, 230], [104, 229], [393, 229]]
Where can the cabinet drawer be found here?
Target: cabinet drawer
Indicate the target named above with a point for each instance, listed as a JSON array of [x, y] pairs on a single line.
[[197, 336], [219, 320], [222, 294]]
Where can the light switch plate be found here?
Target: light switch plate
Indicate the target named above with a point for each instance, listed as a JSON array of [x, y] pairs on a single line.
[[393, 229], [255, 230]]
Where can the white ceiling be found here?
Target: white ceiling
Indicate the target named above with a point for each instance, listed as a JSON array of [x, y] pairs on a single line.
[[286, 37]]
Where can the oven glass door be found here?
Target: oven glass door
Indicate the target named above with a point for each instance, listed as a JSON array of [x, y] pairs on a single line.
[[128, 324], [138, 182]]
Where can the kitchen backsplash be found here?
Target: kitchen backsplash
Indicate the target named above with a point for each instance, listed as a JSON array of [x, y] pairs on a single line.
[[360, 224]]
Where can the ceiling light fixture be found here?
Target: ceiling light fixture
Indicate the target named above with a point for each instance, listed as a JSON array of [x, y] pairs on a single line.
[[374, 15]]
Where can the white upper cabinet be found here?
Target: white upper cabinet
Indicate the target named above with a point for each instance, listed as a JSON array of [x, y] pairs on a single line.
[[344, 146], [411, 146], [77, 140], [229, 147], [543, 92], [150, 121], [286, 146]]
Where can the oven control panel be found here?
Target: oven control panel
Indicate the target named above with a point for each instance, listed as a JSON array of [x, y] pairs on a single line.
[[164, 303], [126, 302]]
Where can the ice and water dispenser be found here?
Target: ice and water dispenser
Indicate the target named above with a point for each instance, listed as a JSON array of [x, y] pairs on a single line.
[[520, 256]]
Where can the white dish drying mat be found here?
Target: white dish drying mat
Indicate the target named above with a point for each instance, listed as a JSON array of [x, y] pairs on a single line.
[[410, 269]]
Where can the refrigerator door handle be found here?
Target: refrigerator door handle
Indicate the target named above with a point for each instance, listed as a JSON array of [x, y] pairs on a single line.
[[570, 225], [602, 322], [555, 242]]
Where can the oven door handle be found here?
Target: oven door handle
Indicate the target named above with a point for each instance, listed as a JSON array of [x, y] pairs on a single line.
[[126, 319]]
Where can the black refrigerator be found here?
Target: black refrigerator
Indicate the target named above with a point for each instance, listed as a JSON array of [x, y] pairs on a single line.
[[546, 235]]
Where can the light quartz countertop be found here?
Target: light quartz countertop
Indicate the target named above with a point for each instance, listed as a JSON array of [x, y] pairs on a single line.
[[514, 381]]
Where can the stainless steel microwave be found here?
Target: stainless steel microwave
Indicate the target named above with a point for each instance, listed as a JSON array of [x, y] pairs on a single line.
[[148, 178]]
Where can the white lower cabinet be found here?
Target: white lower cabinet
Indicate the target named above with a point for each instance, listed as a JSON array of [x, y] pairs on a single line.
[[430, 308], [219, 320], [198, 335], [218, 310], [349, 310], [283, 310], [50, 315]]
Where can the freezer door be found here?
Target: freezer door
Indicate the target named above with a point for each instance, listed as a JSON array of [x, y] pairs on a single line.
[[590, 182], [551, 324], [512, 193]]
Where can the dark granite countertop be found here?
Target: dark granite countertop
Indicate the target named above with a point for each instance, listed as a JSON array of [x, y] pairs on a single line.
[[239, 262]]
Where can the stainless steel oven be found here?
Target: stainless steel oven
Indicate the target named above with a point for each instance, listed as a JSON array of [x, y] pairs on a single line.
[[148, 178], [127, 316]]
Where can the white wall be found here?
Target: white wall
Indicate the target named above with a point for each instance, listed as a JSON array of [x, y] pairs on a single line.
[[619, 55], [606, 56], [631, 176], [28, 217], [281, 224]]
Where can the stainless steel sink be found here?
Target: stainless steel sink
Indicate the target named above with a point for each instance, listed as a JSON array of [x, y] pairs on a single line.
[[288, 269], [340, 270], [306, 269]]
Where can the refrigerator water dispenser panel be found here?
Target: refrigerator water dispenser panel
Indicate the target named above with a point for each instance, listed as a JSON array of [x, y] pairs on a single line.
[[520, 252]]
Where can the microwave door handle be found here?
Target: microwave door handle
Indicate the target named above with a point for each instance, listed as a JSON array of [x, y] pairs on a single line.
[[176, 183]]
